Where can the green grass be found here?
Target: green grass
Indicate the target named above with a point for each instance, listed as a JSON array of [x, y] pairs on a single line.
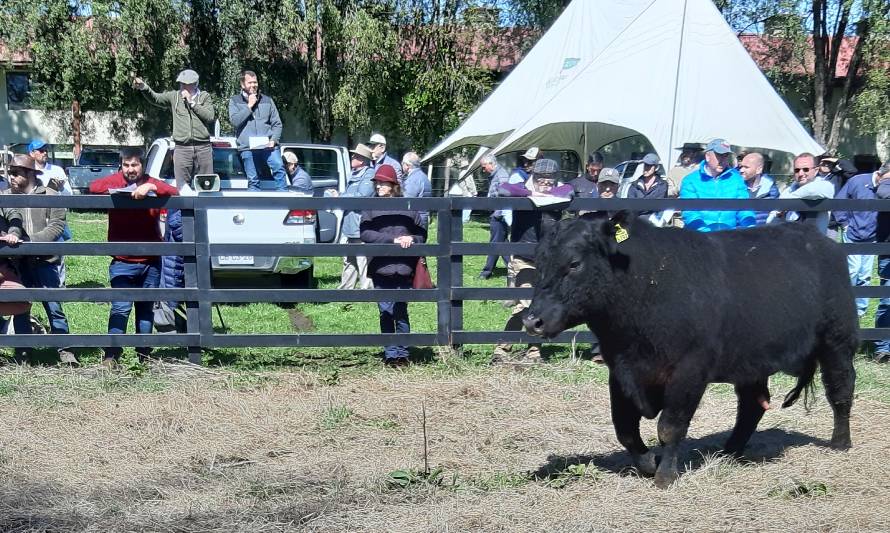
[[358, 317]]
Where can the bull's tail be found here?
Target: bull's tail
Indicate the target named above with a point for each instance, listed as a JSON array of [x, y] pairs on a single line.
[[805, 385]]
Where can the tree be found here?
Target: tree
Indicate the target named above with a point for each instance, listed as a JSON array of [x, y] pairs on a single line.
[[84, 53], [805, 42], [813, 36], [443, 45]]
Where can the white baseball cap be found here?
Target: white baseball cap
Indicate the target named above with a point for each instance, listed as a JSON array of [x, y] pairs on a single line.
[[532, 153], [377, 139], [290, 157]]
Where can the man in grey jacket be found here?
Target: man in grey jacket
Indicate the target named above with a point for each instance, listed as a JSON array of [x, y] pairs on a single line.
[[498, 229], [258, 129], [360, 184]]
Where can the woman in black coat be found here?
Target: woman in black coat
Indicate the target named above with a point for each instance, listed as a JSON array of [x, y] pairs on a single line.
[[394, 227]]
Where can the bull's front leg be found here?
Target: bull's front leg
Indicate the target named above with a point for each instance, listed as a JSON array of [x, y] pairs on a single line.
[[626, 419], [681, 399]]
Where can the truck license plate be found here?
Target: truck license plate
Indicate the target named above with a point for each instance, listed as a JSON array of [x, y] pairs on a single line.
[[236, 260]]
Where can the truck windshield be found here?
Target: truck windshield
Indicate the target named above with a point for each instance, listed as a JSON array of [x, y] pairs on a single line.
[[226, 163], [320, 163], [89, 158]]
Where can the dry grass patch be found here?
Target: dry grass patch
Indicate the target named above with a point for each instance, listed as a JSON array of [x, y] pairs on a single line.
[[225, 451]]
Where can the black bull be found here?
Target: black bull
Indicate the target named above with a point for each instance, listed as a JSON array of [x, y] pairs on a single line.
[[675, 310]]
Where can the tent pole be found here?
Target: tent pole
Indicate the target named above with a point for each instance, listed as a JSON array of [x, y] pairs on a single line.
[[670, 148], [586, 153]]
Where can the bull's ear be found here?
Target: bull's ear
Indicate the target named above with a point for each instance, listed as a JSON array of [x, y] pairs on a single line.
[[608, 230], [623, 218]]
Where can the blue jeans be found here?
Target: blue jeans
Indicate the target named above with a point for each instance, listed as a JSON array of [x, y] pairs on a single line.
[[497, 231], [272, 158], [882, 317], [124, 275], [859, 267], [35, 274], [393, 315]]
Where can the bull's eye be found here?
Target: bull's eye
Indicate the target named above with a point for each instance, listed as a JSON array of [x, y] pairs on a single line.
[[575, 265]]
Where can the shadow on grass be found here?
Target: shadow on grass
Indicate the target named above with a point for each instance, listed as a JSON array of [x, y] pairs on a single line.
[[85, 285], [422, 355], [325, 280], [766, 445]]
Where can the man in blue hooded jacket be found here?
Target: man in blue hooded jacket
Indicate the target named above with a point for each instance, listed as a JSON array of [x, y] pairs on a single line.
[[716, 178]]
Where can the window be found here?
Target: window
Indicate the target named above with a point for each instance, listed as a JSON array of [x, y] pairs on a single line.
[[100, 158], [322, 166], [227, 163], [18, 90]]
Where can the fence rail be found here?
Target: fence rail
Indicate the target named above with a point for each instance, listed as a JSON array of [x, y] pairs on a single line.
[[448, 250]]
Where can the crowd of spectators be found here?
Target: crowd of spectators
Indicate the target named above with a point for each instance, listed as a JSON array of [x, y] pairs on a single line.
[[258, 127], [702, 171], [708, 171]]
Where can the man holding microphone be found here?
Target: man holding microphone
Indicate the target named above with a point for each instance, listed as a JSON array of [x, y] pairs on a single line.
[[193, 118], [258, 129]]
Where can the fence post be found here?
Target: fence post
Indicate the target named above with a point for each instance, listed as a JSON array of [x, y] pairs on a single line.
[[203, 266], [443, 278], [457, 274], [190, 272]]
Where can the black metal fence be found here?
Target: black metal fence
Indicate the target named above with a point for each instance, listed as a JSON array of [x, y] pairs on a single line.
[[449, 250]]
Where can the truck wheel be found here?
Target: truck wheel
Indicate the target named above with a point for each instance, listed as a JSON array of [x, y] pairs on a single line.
[[303, 280]]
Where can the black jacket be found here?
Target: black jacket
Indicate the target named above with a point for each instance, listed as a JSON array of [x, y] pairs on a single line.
[[384, 227]]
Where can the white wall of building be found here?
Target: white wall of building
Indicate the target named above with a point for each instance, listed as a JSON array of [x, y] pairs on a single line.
[[20, 126]]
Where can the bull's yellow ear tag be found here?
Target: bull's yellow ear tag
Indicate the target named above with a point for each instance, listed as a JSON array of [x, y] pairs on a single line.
[[620, 233]]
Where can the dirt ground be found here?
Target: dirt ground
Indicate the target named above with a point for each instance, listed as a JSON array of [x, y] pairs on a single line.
[[509, 451]]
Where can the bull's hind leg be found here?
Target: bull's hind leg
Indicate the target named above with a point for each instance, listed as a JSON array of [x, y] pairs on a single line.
[[681, 399], [752, 401], [626, 419], [839, 379]]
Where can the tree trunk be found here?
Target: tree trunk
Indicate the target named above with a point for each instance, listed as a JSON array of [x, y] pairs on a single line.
[[76, 118], [840, 112], [820, 76]]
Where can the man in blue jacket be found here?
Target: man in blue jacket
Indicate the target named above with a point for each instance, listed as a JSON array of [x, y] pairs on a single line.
[[882, 234], [716, 178], [377, 144], [415, 183], [258, 129], [859, 226]]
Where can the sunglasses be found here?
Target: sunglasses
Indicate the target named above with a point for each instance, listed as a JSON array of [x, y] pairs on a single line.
[[802, 169], [22, 173]]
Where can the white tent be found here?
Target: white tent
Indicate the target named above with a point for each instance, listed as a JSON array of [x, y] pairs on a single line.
[[670, 70]]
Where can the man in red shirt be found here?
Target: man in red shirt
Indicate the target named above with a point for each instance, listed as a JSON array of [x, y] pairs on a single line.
[[132, 225]]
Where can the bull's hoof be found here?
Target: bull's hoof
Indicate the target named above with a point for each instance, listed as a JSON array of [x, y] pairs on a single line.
[[664, 479], [646, 463], [841, 443], [733, 451]]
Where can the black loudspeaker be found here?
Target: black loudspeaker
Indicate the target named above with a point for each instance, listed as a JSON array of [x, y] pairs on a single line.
[[206, 182]]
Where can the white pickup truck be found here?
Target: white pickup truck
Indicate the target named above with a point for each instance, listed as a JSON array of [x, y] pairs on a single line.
[[328, 167]]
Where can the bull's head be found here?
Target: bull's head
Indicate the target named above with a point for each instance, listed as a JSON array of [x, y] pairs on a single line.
[[576, 262]]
